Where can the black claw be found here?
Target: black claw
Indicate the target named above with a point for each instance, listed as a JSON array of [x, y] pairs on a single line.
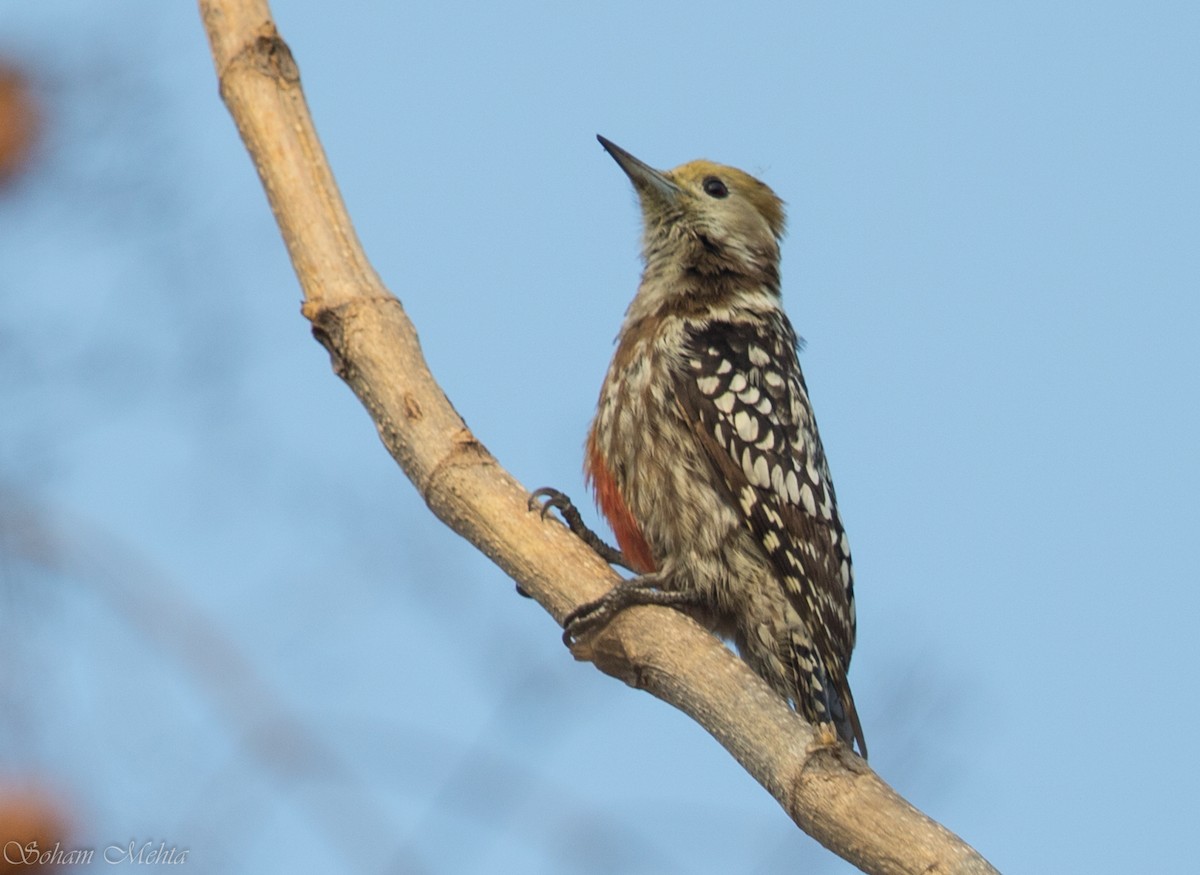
[[554, 498], [592, 615], [635, 591], [575, 523], [535, 498], [587, 618]]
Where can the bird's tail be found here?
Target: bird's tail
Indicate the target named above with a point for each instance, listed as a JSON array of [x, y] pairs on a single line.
[[816, 688], [840, 704]]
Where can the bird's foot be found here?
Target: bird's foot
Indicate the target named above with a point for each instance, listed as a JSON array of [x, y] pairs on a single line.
[[570, 514], [644, 590]]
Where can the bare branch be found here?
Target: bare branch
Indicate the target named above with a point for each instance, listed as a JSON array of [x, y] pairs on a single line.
[[830, 793]]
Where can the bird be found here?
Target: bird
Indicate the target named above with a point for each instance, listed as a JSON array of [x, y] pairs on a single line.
[[704, 455]]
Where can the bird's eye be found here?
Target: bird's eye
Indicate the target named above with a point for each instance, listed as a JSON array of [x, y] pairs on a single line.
[[713, 187]]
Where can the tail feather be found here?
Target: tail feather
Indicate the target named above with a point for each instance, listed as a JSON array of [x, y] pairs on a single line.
[[845, 715], [817, 689]]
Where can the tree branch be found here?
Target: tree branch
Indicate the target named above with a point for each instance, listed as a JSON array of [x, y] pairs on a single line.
[[830, 793]]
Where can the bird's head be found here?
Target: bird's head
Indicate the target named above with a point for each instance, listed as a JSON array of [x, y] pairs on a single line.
[[705, 217]]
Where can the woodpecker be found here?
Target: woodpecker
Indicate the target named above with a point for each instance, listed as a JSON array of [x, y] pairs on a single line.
[[704, 455]]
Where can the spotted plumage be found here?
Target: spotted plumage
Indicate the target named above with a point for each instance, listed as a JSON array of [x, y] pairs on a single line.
[[704, 454], [744, 393]]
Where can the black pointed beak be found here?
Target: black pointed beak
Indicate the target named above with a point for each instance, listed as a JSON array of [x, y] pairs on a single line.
[[648, 181]]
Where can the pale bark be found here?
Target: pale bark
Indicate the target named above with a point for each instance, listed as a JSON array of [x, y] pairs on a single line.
[[830, 793]]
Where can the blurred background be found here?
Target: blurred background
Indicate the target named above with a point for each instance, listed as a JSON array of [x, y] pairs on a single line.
[[228, 625]]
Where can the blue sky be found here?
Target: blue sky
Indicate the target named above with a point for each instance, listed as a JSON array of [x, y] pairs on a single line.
[[992, 254]]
